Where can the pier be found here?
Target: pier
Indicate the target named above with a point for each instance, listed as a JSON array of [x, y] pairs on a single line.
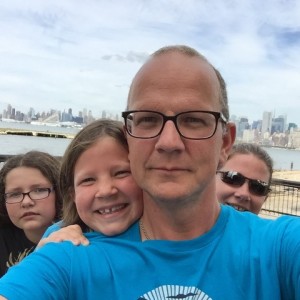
[[36, 133]]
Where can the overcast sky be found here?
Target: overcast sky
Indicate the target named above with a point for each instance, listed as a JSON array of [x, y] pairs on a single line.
[[59, 54]]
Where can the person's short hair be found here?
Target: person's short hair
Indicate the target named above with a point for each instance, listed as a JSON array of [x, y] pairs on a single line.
[[86, 138], [257, 151], [189, 51], [47, 164]]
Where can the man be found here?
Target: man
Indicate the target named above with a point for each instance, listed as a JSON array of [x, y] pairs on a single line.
[[176, 147], [179, 136], [178, 174]]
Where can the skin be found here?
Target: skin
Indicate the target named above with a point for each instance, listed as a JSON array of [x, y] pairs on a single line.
[[177, 175], [240, 197], [106, 196], [33, 216]]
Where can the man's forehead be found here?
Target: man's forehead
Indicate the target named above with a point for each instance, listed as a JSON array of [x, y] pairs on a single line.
[[172, 71], [171, 60]]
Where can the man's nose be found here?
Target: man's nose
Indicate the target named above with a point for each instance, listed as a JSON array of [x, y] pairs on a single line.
[[170, 140]]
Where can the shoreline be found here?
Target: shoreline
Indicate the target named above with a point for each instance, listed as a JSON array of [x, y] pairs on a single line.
[[287, 175]]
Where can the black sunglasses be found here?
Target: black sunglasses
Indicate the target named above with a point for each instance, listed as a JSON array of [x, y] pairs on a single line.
[[256, 187]]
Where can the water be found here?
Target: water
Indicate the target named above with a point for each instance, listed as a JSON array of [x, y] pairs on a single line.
[[15, 144], [283, 158]]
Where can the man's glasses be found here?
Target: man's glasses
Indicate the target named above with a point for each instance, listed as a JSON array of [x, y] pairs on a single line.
[[194, 125], [36, 194], [256, 187]]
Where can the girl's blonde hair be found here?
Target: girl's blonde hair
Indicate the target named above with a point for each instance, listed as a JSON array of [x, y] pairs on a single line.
[[86, 138]]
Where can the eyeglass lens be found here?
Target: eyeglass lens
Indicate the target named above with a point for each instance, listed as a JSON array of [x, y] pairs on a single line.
[[256, 187]]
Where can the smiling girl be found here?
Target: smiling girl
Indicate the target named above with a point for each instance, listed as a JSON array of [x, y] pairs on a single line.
[[99, 193]]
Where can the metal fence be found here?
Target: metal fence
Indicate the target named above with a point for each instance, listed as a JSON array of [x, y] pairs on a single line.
[[284, 199]]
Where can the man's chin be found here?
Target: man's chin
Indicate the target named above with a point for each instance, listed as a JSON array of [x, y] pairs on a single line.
[[166, 195]]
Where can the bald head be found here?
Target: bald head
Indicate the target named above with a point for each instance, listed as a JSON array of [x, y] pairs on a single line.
[[188, 52]]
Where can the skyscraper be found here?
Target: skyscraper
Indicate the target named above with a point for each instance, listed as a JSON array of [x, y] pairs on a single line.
[[266, 122]]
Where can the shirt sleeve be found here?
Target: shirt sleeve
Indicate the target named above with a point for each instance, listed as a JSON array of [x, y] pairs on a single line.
[[44, 274]]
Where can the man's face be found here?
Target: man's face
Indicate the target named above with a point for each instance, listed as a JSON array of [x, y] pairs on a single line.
[[169, 166]]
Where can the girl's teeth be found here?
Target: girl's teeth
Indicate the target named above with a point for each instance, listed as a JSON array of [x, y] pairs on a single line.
[[110, 210]]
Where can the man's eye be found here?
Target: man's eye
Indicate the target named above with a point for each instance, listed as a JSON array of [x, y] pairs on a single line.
[[146, 120], [192, 120]]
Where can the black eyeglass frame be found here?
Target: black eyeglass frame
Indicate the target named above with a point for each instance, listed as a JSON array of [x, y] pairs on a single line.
[[49, 190], [218, 116], [251, 182]]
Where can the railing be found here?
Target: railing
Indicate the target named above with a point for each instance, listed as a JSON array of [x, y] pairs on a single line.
[[284, 199]]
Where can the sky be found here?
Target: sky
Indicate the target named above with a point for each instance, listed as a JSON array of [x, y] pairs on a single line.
[[60, 54]]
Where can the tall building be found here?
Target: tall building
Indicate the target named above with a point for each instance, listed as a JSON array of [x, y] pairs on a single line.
[[266, 122], [8, 112], [242, 125], [278, 124]]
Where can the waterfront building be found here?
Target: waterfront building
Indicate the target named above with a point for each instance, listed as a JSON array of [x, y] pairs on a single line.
[[278, 124], [294, 138], [248, 136]]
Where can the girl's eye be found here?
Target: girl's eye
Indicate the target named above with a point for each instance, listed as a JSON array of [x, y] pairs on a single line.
[[87, 181], [123, 173]]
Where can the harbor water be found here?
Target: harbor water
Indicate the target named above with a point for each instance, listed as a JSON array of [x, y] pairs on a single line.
[[284, 159]]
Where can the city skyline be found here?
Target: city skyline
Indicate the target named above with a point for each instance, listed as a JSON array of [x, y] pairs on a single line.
[[61, 54], [268, 131], [106, 113]]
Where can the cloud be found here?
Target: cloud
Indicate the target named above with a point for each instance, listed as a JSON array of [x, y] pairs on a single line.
[[71, 53], [131, 56]]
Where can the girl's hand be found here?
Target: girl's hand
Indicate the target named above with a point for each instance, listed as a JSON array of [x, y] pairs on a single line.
[[72, 233]]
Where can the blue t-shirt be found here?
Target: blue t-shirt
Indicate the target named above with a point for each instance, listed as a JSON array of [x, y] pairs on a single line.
[[241, 257], [54, 227]]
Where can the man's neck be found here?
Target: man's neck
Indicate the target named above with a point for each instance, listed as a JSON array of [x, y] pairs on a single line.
[[180, 222]]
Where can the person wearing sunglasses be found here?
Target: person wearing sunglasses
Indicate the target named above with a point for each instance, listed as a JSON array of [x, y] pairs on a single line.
[[244, 180]]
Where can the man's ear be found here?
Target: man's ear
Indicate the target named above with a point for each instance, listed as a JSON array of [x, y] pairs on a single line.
[[229, 134]]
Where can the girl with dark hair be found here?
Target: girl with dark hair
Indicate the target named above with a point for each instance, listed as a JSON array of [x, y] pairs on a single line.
[[30, 202]]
